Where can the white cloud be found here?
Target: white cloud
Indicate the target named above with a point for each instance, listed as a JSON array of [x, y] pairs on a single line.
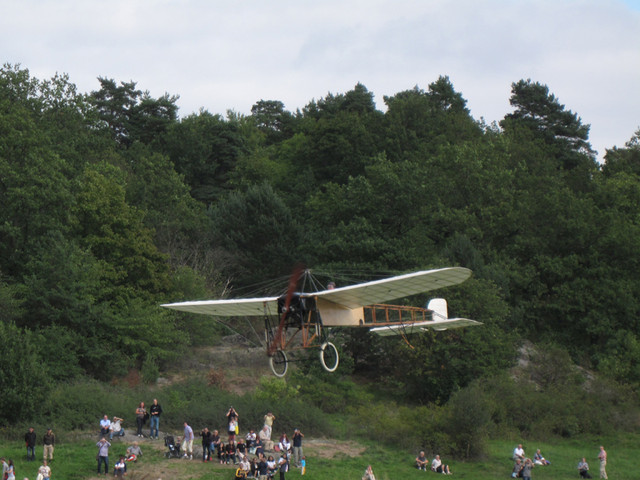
[[228, 55]]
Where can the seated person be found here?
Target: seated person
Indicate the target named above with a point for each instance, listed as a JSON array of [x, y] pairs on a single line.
[[265, 438], [231, 452], [105, 423], [250, 439], [438, 467], [421, 461], [538, 459], [120, 468], [240, 473], [133, 452], [244, 463], [583, 468], [517, 468], [222, 452], [271, 466], [242, 448], [254, 468], [284, 444], [518, 453], [116, 428], [259, 448]]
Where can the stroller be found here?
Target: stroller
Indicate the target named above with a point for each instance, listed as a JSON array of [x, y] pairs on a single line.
[[174, 448]]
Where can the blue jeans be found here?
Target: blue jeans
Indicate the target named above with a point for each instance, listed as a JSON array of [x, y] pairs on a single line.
[[104, 460], [117, 434], [154, 423], [31, 453]]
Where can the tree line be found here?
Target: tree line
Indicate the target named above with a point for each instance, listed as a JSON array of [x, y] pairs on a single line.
[[110, 204]]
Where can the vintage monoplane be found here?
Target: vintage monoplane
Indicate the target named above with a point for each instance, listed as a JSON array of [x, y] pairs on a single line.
[[298, 320]]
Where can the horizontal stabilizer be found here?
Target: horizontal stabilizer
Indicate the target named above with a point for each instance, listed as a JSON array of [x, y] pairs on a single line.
[[417, 327]]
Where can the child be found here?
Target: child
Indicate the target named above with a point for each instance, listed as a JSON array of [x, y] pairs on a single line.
[[303, 464]]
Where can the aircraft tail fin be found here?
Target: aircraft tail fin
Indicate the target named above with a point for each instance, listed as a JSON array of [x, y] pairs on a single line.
[[439, 308]]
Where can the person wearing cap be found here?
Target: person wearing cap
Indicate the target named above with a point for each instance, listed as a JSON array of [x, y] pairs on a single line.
[[297, 446], [49, 443]]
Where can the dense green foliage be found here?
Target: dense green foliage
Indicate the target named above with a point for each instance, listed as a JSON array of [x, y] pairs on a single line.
[[110, 205]]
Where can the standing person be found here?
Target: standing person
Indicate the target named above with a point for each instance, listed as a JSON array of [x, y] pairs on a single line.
[[105, 425], [297, 446], [154, 423], [368, 474], [269, 418], [5, 467], [49, 443], [120, 468], [526, 470], [10, 474], [602, 456], [206, 444], [30, 442], [103, 455], [187, 442], [141, 412], [232, 420], [44, 472], [283, 466]]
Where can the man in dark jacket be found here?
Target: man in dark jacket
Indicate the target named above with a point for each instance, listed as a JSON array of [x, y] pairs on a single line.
[[154, 414], [30, 442]]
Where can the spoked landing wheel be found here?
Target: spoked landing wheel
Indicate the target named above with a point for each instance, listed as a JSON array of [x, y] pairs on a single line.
[[278, 363], [329, 356]]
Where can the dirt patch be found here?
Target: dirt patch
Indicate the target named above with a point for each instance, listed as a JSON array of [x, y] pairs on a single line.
[[160, 468], [327, 448]]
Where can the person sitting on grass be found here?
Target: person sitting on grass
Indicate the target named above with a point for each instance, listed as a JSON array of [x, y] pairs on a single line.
[[115, 429], [583, 468], [517, 468], [518, 453], [421, 461], [272, 466], [133, 452], [538, 459], [439, 467], [120, 468]]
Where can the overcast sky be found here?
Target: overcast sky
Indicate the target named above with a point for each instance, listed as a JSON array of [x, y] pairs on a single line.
[[228, 55]]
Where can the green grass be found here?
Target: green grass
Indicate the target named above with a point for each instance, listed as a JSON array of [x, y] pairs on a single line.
[[75, 459]]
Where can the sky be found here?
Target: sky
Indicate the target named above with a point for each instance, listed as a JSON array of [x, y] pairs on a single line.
[[221, 56]]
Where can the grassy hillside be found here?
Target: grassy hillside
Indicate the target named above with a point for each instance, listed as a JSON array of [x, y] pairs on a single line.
[[328, 460]]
